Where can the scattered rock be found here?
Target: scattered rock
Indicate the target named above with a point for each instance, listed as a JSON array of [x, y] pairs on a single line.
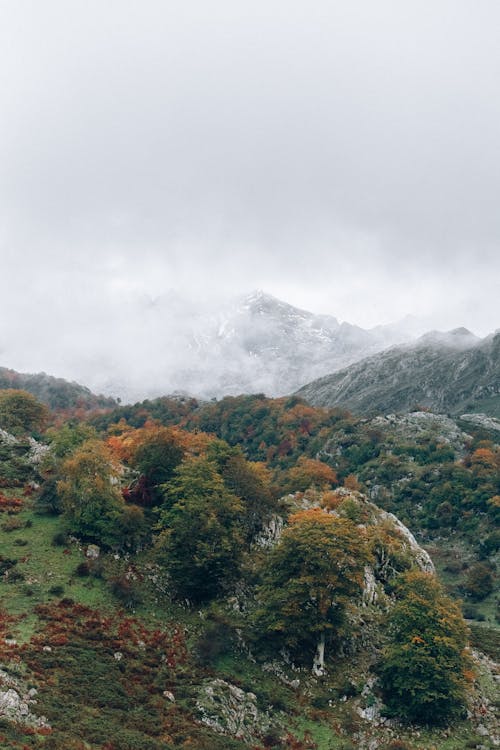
[[16, 707], [7, 439], [92, 551], [227, 709]]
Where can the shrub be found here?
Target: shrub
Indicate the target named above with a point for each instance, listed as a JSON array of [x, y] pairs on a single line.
[[14, 576], [57, 590], [82, 570], [12, 524], [480, 582], [127, 590], [60, 539]]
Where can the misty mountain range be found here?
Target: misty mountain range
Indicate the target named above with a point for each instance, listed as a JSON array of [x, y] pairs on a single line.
[[255, 343], [260, 344]]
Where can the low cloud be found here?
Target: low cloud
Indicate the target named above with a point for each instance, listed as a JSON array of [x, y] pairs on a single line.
[[342, 156]]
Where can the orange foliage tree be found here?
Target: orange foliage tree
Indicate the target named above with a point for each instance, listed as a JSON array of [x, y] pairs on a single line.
[[309, 472]]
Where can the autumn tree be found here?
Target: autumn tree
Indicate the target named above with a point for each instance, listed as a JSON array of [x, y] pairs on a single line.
[[308, 580], [200, 539], [424, 664], [21, 413], [90, 495], [309, 472]]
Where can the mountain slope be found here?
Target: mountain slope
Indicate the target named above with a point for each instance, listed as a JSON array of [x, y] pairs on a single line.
[[452, 372], [57, 393]]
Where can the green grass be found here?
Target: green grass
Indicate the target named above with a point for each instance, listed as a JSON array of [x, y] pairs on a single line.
[[44, 566]]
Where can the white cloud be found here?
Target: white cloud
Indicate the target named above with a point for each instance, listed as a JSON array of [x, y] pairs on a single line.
[[342, 155]]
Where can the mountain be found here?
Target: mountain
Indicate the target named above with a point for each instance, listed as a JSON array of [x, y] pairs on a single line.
[[150, 347], [57, 393], [450, 372], [256, 343]]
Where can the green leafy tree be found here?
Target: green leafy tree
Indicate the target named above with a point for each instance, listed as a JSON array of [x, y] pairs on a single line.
[[155, 456], [423, 673], [200, 540], [63, 440], [90, 495], [249, 481], [308, 580], [21, 413]]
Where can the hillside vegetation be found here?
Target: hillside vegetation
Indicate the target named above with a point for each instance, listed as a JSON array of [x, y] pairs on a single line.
[[236, 574], [57, 393]]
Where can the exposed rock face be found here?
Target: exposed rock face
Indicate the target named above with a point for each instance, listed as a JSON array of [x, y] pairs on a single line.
[[229, 710], [7, 439], [482, 420], [252, 344], [16, 702], [38, 451], [262, 344], [446, 376], [270, 532], [420, 556]]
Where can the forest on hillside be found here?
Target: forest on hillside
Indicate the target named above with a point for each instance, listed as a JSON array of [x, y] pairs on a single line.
[[248, 572]]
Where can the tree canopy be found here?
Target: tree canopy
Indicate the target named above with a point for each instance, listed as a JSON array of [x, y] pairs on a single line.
[[21, 413], [308, 579], [200, 540], [90, 497], [424, 664]]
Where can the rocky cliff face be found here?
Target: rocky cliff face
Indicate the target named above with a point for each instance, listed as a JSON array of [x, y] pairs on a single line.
[[451, 373]]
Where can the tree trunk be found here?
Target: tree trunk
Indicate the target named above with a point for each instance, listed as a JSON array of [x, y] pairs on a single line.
[[319, 659]]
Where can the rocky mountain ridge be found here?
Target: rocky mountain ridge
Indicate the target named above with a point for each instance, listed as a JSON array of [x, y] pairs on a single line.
[[451, 373]]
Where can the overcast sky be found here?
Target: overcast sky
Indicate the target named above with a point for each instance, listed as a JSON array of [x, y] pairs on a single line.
[[342, 155]]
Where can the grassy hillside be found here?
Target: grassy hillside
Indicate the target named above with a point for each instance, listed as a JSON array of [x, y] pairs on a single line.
[[102, 671]]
